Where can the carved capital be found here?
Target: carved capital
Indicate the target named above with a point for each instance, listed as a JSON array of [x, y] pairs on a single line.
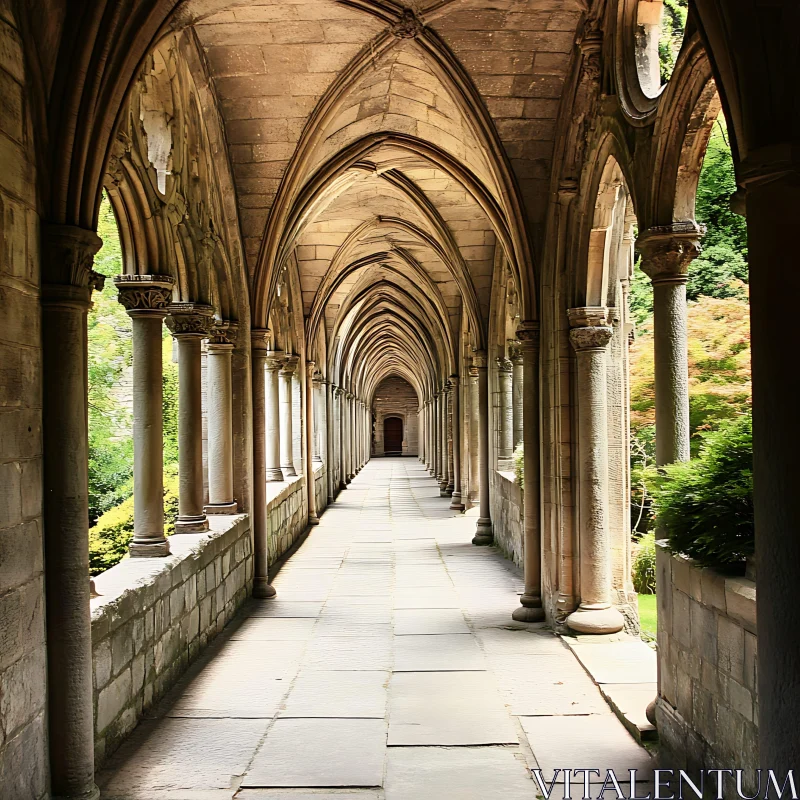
[[668, 250], [290, 363], [593, 338], [145, 294], [223, 333], [528, 335], [317, 378], [504, 365], [454, 381], [259, 341], [191, 320], [67, 257], [480, 360], [514, 352], [409, 26], [275, 359]]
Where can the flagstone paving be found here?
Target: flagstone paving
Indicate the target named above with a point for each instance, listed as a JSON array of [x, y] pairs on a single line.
[[387, 668]]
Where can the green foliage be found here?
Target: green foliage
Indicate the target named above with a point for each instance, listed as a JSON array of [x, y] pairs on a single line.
[[644, 565], [640, 298], [519, 466], [111, 535], [648, 616], [673, 24], [169, 403], [720, 271], [706, 505]]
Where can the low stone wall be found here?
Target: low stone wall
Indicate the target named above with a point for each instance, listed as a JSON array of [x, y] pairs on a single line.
[[287, 516], [154, 616], [507, 507], [707, 705]]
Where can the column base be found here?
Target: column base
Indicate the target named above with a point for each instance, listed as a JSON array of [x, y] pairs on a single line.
[[313, 519], [288, 471], [92, 794], [222, 508], [596, 619], [483, 535], [274, 474], [650, 713], [154, 549], [457, 505], [530, 609], [193, 524], [263, 589]]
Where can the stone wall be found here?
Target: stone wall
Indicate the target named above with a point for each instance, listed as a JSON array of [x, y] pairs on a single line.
[[396, 397], [23, 762], [507, 514], [154, 616], [707, 710]]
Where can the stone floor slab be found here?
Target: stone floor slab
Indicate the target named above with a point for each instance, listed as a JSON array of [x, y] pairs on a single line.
[[285, 608], [420, 621], [448, 652], [320, 752], [626, 661], [318, 693], [266, 629], [349, 653]]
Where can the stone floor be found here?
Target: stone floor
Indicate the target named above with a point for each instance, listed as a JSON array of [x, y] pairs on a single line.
[[388, 667]]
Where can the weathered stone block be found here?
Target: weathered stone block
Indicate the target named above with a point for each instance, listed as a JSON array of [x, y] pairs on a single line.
[[740, 598], [681, 617], [20, 554], [121, 648], [113, 699], [740, 700], [101, 657], [730, 648], [704, 631], [750, 667]]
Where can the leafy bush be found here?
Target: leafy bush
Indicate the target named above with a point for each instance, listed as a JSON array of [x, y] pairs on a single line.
[[705, 505], [644, 565], [519, 466], [110, 537]]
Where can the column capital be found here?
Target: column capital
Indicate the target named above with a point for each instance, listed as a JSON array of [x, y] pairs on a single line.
[[480, 359], [290, 363], [190, 320], [514, 352], [145, 295], [223, 334], [589, 328], [504, 365], [528, 335], [259, 341], [67, 257], [275, 359], [317, 378], [667, 250], [454, 380], [311, 368]]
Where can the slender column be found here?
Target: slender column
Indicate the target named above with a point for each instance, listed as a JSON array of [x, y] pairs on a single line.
[[220, 419], [286, 446], [330, 431], [273, 361], [357, 434], [318, 385], [474, 434], [352, 430], [590, 335], [484, 534], [456, 503], [445, 476], [260, 357], [436, 438], [189, 324], [67, 258], [531, 609], [666, 255], [145, 298], [505, 442], [450, 422], [340, 434], [517, 392], [311, 487], [429, 451]]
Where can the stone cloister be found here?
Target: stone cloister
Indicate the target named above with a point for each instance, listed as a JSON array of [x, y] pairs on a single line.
[[346, 211]]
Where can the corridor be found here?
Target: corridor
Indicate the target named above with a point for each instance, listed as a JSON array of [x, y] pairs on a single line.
[[387, 667]]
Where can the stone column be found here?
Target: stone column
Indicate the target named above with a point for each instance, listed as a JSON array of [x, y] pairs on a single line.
[[318, 387], [220, 419], [145, 298], [456, 504], [287, 441], [517, 392], [666, 254], [505, 438], [474, 435], [484, 534], [443, 443], [189, 324], [341, 439], [530, 609], [311, 487], [68, 281], [273, 361], [451, 445], [353, 441], [590, 334], [330, 431], [262, 588], [346, 396]]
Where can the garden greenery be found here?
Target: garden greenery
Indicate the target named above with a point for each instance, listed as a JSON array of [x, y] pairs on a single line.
[[644, 564]]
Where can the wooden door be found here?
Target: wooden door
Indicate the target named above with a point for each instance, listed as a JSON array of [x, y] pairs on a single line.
[[393, 436]]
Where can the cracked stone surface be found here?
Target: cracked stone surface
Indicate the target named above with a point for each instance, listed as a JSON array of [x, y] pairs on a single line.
[[388, 668]]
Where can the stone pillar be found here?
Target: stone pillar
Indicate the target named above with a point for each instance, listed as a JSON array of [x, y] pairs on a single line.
[[145, 298], [346, 437], [68, 281], [353, 442], [474, 435], [443, 444], [451, 432], [666, 254], [189, 324], [517, 392], [530, 609], [273, 361], [456, 504], [340, 435], [287, 441], [260, 358], [484, 534], [318, 387], [330, 431], [220, 420], [505, 437], [311, 487], [590, 334]]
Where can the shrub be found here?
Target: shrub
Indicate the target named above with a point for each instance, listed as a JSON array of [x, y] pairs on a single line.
[[110, 537], [705, 505], [519, 467], [644, 565]]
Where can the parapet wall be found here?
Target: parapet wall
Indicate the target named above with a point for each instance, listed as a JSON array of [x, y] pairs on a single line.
[[507, 507], [707, 704]]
